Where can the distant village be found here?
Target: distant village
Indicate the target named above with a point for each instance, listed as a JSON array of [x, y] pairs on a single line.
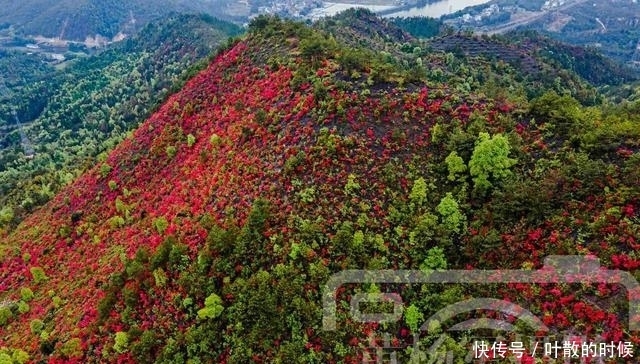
[[314, 9]]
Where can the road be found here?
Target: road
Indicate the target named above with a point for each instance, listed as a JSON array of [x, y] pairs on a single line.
[[24, 140], [503, 28]]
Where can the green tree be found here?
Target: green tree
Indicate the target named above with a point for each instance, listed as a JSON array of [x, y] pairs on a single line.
[[26, 294], [455, 165], [413, 317], [563, 112], [72, 348], [121, 342], [5, 315], [435, 260], [160, 224], [418, 193], [6, 215], [317, 46], [36, 326], [490, 161], [212, 307], [191, 140], [5, 359], [38, 275], [452, 219], [352, 187], [20, 356]]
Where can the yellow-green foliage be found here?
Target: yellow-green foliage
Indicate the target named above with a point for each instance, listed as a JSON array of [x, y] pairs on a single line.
[[5, 314], [121, 342], [5, 358], [13, 356], [212, 307], [26, 294], [191, 140], [490, 160], [72, 348], [38, 275], [23, 307], [20, 356], [418, 191], [352, 185], [161, 224], [452, 219], [36, 326], [160, 277]]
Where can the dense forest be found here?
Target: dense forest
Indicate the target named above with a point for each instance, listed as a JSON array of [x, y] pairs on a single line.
[[208, 229], [78, 20]]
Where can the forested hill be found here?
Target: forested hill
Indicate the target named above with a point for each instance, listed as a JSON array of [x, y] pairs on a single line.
[[79, 19], [73, 115], [208, 234]]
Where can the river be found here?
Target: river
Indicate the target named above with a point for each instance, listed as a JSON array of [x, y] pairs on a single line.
[[437, 9]]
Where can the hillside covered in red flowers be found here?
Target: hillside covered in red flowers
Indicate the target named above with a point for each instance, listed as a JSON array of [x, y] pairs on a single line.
[[208, 234]]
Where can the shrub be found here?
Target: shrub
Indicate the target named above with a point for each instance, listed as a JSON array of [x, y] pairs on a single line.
[[413, 317], [23, 307], [160, 277], [5, 315], [20, 356], [215, 140], [418, 192], [352, 186], [113, 185], [72, 348], [358, 240], [5, 359], [105, 169], [38, 275], [455, 165], [191, 140], [308, 195], [6, 215], [26, 294], [121, 342], [452, 219], [490, 159], [116, 222], [161, 224], [57, 301], [294, 161], [36, 326], [212, 307], [435, 259], [171, 151]]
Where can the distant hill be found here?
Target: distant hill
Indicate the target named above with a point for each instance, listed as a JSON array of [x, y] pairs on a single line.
[[79, 19], [210, 233], [539, 56], [74, 114], [611, 26]]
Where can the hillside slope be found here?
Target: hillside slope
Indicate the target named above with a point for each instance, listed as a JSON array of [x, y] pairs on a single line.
[[208, 234], [73, 115]]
